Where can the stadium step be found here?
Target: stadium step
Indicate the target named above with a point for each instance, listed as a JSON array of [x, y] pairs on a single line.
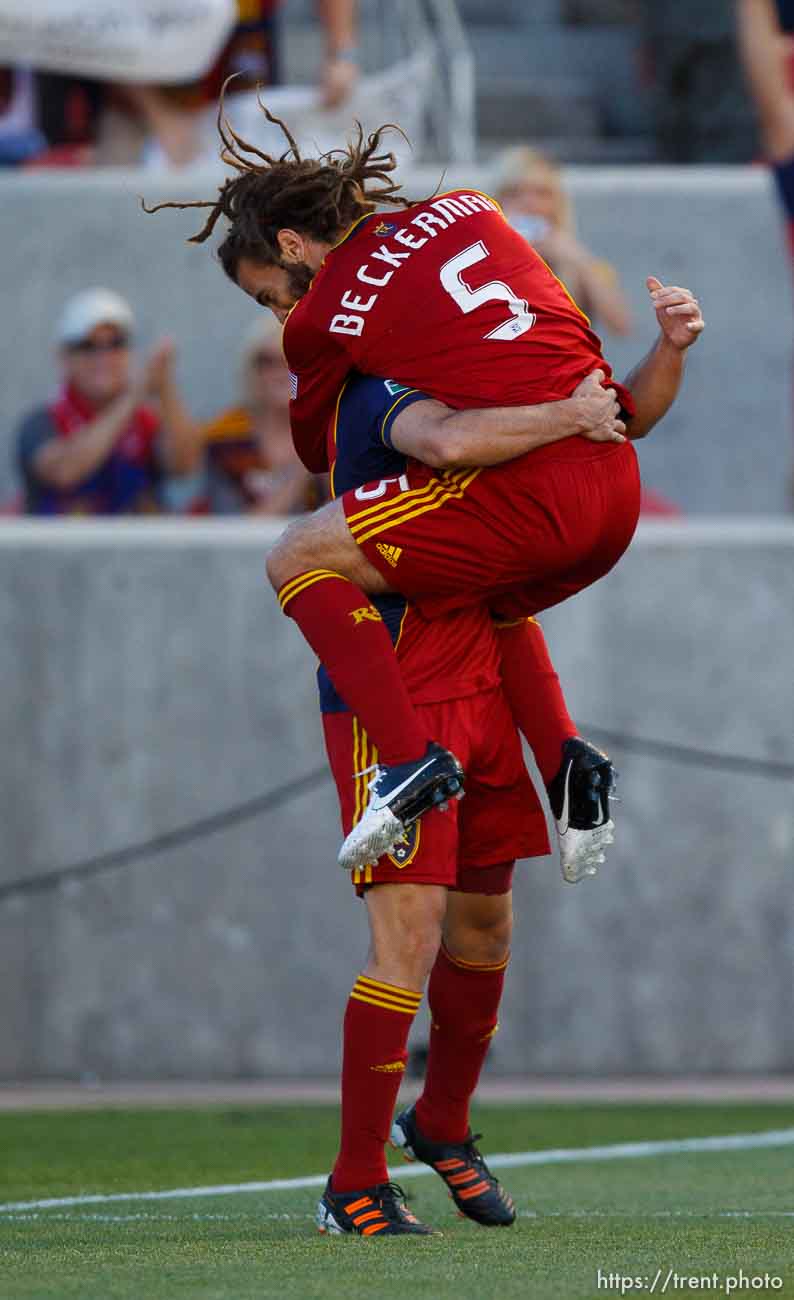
[[588, 54], [543, 106], [584, 150]]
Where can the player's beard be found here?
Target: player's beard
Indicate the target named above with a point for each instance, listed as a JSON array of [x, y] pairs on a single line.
[[299, 278]]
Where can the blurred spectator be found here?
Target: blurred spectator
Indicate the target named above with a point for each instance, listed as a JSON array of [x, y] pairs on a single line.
[[766, 54], [47, 119], [20, 138], [534, 199], [99, 448], [69, 112], [251, 462], [765, 51], [251, 55], [701, 111]]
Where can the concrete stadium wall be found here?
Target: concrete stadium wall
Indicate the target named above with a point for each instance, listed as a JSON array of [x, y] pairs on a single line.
[[149, 680], [726, 447]]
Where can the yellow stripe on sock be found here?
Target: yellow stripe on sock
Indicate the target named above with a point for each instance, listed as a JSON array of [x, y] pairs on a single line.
[[475, 965], [408, 1004], [402, 1003], [387, 988], [396, 1004], [385, 1006], [390, 991], [284, 600], [296, 585], [307, 573]]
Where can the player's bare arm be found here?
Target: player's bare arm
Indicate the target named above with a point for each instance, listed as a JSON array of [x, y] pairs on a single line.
[[763, 50], [446, 439], [656, 381]]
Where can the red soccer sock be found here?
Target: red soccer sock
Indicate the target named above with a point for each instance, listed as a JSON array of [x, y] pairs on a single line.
[[350, 638], [377, 1021], [464, 1000], [534, 694]]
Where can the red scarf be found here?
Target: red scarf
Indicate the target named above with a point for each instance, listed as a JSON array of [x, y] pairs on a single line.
[[71, 411]]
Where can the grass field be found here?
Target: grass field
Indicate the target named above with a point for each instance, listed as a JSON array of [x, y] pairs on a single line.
[[698, 1213]]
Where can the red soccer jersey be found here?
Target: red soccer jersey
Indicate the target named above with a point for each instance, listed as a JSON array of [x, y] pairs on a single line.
[[447, 658], [446, 297]]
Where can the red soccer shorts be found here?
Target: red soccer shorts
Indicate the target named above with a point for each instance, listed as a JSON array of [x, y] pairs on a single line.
[[500, 818], [522, 536]]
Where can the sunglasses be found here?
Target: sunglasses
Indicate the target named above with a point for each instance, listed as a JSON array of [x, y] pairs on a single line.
[[88, 347], [264, 360]]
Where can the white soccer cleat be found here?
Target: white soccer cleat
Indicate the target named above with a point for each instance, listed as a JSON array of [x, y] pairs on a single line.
[[582, 851], [579, 797], [378, 832], [398, 796]]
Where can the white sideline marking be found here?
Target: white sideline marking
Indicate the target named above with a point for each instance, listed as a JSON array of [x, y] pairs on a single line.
[[38, 1217], [505, 1160]]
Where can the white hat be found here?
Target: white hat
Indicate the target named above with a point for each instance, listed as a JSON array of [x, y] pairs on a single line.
[[263, 332], [90, 308]]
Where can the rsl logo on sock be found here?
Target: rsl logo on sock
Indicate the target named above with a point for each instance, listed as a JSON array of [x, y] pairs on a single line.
[[366, 612]]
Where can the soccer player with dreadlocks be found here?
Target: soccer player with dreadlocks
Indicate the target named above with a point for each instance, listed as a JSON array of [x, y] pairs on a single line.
[[448, 300]]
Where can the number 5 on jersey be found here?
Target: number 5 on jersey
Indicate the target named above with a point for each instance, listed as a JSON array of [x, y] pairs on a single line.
[[521, 318]]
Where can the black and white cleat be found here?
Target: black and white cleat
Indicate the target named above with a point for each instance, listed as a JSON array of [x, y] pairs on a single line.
[[580, 795], [398, 796]]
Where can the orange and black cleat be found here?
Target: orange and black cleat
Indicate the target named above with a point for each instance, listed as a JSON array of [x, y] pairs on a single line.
[[472, 1186], [377, 1211]]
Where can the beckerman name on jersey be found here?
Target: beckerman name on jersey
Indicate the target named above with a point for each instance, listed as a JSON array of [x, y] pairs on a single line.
[[438, 215]]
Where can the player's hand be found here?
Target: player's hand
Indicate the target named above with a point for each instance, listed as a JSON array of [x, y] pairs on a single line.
[[597, 410], [678, 313]]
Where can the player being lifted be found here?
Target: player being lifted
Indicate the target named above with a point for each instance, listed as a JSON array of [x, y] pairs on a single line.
[[445, 298]]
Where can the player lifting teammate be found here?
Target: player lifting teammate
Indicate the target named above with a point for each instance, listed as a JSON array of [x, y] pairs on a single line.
[[439, 907], [446, 299]]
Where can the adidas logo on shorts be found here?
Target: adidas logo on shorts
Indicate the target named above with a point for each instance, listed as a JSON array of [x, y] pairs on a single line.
[[391, 554]]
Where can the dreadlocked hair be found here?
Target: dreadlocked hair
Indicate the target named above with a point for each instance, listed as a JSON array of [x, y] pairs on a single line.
[[318, 197]]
